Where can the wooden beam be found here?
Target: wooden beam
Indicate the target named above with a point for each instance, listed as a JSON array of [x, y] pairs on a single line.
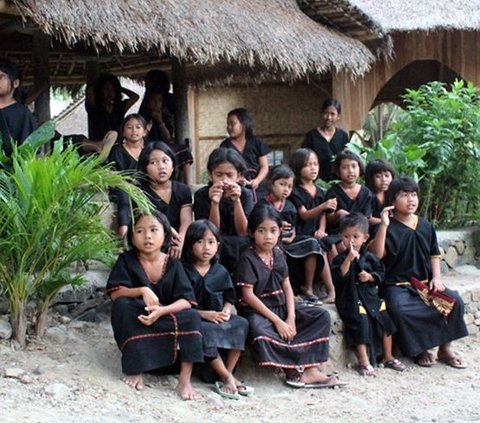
[[41, 77]]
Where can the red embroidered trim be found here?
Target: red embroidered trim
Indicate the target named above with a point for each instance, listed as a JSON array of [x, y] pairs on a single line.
[[285, 344]]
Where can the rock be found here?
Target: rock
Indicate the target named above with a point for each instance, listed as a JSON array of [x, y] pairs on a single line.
[[57, 334], [473, 330], [38, 370], [444, 268], [14, 372], [459, 246], [476, 295], [5, 329], [468, 256], [451, 257], [79, 325], [469, 318], [471, 308], [477, 314], [477, 322], [58, 391], [26, 379]]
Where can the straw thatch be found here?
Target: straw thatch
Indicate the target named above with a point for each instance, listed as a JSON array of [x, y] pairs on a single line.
[[273, 35], [423, 15]]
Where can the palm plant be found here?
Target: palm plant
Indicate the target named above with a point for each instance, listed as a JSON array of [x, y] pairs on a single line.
[[49, 219]]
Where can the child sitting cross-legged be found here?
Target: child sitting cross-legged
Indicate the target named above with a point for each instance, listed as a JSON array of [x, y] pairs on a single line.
[[357, 273]]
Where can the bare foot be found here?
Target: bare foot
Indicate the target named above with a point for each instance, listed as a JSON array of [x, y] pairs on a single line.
[[425, 359], [186, 392], [451, 358], [313, 375], [134, 381], [330, 299]]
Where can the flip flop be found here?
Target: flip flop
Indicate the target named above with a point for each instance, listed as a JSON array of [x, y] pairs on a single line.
[[454, 361], [395, 364], [367, 370], [245, 390], [422, 356], [312, 299], [331, 382], [219, 388]]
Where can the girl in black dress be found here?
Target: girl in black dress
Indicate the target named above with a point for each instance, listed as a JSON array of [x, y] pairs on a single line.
[[152, 316], [309, 199], [327, 140], [379, 174], [215, 297], [285, 334]]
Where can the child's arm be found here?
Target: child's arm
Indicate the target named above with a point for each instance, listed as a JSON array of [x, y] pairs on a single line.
[[132, 97], [318, 210], [239, 217], [186, 218], [377, 246], [215, 194], [157, 311], [436, 283], [345, 266], [322, 227], [249, 297], [290, 303], [262, 172], [148, 296]]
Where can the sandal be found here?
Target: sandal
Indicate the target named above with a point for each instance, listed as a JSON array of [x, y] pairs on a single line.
[[367, 370], [395, 364], [424, 359], [245, 390], [453, 360]]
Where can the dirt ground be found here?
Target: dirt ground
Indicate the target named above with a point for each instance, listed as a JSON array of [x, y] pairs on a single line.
[[73, 375]]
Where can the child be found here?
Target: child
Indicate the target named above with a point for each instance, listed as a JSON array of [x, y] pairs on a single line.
[[215, 296], [408, 246], [285, 334], [125, 156], [153, 322], [357, 274], [327, 140], [379, 174], [253, 150], [16, 121], [156, 166], [309, 199], [225, 203], [351, 196]]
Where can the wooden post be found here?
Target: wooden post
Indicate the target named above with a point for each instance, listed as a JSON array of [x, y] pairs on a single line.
[[180, 95], [41, 76]]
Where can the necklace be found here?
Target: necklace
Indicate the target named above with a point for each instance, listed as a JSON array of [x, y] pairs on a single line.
[[267, 261]]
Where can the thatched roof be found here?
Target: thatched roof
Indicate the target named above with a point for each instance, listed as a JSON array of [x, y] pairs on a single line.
[[273, 35], [423, 15]]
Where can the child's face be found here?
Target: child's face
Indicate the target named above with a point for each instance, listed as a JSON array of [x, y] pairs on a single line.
[[353, 237], [381, 181], [330, 116], [405, 202], [281, 188], [108, 92], [133, 131], [310, 169], [349, 171], [7, 86], [155, 104], [148, 235], [225, 173], [235, 128], [266, 235], [205, 248], [159, 167]]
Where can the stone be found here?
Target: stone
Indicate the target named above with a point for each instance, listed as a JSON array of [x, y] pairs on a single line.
[[477, 314], [57, 334], [14, 372], [476, 295], [5, 329], [477, 322], [468, 256], [459, 246], [468, 318], [58, 391], [451, 257], [473, 330], [442, 252], [471, 308], [444, 268]]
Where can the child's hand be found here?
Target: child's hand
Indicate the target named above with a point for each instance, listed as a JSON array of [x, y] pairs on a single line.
[[436, 285], [319, 234], [365, 276], [291, 322], [385, 215], [154, 313], [254, 184], [215, 192], [177, 245], [149, 297], [233, 191], [214, 316], [330, 205], [286, 332], [352, 254]]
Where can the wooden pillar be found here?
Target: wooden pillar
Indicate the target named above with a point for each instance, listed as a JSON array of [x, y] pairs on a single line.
[[180, 95], [41, 76]]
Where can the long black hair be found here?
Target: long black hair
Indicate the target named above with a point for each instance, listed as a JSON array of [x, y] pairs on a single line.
[[195, 232]]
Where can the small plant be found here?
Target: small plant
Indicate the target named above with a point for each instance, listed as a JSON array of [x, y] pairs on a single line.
[[49, 219]]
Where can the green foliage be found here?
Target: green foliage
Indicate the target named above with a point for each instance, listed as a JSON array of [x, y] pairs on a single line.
[[50, 208], [437, 142]]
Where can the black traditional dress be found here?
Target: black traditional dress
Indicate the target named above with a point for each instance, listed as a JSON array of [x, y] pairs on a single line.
[[232, 244], [408, 253], [212, 291], [326, 150], [361, 204], [359, 305], [147, 348], [309, 348], [16, 124]]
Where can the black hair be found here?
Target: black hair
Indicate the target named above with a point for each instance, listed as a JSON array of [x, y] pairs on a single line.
[[196, 231], [145, 156], [162, 219], [226, 155], [405, 184], [145, 106], [331, 102], [245, 119], [353, 220], [348, 155], [156, 78], [373, 168], [12, 71], [298, 161], [131, 116], [279, 172], [100, 83], [260, 213]]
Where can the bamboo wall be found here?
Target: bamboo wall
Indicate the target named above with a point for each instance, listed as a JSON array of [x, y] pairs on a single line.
[[282, 116], [455, 49]]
